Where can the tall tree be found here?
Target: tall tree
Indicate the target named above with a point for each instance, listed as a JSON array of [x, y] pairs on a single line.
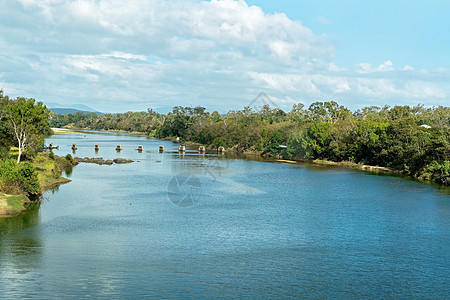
[[27, 120], [6, 139]]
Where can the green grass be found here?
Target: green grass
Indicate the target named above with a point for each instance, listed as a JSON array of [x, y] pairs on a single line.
[[49, 170], [49, 175], [16, 202]]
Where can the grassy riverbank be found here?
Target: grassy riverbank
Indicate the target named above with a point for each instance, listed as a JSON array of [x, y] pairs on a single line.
[[48, 168], [12, 204]]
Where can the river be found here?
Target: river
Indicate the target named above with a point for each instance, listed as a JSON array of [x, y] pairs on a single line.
[[196, 225]]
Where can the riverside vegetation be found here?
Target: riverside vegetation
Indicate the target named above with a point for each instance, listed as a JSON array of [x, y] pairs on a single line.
[[25, 172], [411, 140]]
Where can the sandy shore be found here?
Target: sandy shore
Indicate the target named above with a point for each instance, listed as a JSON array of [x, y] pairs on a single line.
[[60, 130]]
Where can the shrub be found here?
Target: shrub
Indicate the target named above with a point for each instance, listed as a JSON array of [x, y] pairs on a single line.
[[273, 146], [438, 172], [19, 178], [28, 179], [69, 158], [8, 177], [51, 155], [8, 170]]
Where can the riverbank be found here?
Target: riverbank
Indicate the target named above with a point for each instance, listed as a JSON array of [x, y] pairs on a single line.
[[362, 167], [49, 169], [12, 204], [70, 128], [63, 131], [281, 159]]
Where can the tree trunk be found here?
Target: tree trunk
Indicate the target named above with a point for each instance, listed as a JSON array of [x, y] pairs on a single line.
[[20, 154], [22, 142]]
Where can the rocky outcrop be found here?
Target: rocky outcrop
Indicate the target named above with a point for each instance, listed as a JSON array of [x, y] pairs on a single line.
[[101, 161], [122, 161]]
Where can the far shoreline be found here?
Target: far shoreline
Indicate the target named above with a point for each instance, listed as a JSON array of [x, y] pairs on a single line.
[[378, 170]]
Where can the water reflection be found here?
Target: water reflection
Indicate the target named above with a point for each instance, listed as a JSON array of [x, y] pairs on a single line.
[[54, 189], [68, 171], [20, 250], [12, 225]]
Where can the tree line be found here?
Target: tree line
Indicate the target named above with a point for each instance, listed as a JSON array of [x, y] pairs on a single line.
[[414, 140]]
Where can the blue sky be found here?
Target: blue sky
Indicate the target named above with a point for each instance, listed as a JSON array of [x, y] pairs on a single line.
[[405, 32], [116, 55]]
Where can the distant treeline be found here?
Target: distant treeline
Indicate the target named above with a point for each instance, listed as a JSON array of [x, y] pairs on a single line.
[[415, 140]]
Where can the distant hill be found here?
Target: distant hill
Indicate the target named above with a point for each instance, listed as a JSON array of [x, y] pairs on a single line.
[[65, 111], [83, 107], [62, 109], [53, 104]]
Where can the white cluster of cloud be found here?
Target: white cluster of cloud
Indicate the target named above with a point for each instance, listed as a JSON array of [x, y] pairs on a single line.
[[367, 68], [128, 55]]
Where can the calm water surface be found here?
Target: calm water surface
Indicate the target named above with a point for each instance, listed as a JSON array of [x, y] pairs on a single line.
[[256, 229]]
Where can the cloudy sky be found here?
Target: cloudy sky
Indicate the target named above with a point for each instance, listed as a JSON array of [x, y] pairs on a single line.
[[116, 55]]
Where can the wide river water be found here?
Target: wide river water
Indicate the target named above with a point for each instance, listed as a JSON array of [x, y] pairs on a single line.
[[208, 226]]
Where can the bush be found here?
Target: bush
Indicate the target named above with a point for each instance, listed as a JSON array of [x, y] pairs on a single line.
[[19, 178], [69, 158], [28, 179], [273, 146], [8, 170], [51, 155], [8, 177], [438, 172]]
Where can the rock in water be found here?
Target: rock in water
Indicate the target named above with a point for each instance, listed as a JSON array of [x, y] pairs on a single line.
[[101, 161], [122, 160]]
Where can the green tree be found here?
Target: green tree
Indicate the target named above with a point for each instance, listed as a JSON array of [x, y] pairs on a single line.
[[319, 138], [262, 141], [19, 178], [6, 139], [27, 121], [273, 146]]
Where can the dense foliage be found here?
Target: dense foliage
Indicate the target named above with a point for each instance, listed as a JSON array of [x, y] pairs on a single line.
[[18, 178], [23, 124], [415, 140]]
